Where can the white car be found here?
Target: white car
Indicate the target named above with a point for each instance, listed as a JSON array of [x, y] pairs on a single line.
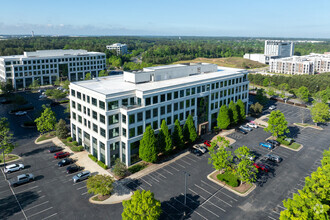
[[21, 113], [13, 167], [42, 96], [272, 107], [200, 148], [251, 125]]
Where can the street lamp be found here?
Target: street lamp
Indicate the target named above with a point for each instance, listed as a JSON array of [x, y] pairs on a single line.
[[185, 186]]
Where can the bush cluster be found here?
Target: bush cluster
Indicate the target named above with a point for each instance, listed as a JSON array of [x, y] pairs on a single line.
[[136, 168], [77, 148], [101, 164], [69, 139], [75, 143], [229, 178], [92, 157], [282, 141]]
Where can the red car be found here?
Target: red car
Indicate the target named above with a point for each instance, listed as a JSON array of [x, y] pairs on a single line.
[[207, 143], [61, 155], [261, 166]]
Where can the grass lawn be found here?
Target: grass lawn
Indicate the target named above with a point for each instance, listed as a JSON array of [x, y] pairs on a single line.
[[8, 157], [294, 146], [234, 62], [46, 136], [67, 143], [137, 167]]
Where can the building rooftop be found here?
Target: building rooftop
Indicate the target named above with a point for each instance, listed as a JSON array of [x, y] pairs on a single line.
[[52, 53], [116, 84], [117, 45]]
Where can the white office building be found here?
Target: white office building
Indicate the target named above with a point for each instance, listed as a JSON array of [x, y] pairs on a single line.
[[118, 47], [48, 65], [110, 114], [301, 65]]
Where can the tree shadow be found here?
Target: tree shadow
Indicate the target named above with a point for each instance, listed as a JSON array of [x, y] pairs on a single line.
[[9, 206], [174, 208], [262, 176], [132, 184], [294, 131], [35, 151]]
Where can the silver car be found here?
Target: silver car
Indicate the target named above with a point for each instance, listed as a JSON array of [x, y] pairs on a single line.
[[13, 167], [81, 176], [245, 128]]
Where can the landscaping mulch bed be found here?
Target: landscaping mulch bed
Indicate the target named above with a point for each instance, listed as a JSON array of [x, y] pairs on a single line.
[[100, 198]]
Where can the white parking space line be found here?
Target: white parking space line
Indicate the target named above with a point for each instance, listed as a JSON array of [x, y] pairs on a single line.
[[145, 182], [81, 187], [210, 211], [173, 167], [167, 171], [153, 178], [26, 189], [191, 209], [278, 213], [220, 191], [172, 207], [5, 191], [197, 194], [136, 185], [36, 206], [185, 161], [50, 216], [40, 212], [176, 162], [161, 175], [192, 160], [271, 218], [78, 183], [302, 185], [281, 207], [84, 193]]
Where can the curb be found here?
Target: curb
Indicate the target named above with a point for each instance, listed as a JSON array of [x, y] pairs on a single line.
[[105, 202], [19, 158], [229, 189], [301, 146], [309, 126]]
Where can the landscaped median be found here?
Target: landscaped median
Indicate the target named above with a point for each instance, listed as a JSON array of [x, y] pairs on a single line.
[[225, 180], [286, 144], [9, 158], [304, 125]]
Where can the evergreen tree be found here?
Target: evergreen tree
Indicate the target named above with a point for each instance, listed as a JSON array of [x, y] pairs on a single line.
[[223, 117], [233, 113], [148, 151], [185, 132], [241, 110], [167, 137], [177, 136], [191, 128], [142, 205], [160, 142], [61, 129]]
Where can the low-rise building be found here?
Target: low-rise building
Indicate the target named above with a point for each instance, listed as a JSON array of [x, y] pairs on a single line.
[[118, 47], [110, 114], [47, 66]]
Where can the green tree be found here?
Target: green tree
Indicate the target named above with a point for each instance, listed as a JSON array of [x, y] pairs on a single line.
[[103, 73], [283, 87], [142, 205], [47, 121], [6, 137], [57, 82], [67, 109], [243, 152], [167, 138], [148, 151], [261, 96], [35, 84], [277, 124], [320, 112], [233, 113], [177, 136], [220, 157], [61, 129], [189, 130], [303, 94], [58, 94], [223, 120], [66, 84], [322, 96], [266, 82], [100, 185], [246, 171], [271, 91], [6, 87], [119, 169], [326, 158], [241, 110], [256, 108], [88, 76]]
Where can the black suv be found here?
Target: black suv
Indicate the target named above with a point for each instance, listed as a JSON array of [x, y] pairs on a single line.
[[54, 149], [240, 130], [273, 142], [273, 157]]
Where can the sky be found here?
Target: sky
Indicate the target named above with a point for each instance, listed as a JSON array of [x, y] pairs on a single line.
[[254, 18]]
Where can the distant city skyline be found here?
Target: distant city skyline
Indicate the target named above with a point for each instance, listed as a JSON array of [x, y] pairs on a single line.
[[286, 19]]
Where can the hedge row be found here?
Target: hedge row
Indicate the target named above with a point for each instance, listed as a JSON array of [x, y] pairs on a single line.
[[229, 178], [92, 157], [282, 141], [101, 164], [77, 148], [137, 167], [64, 101]]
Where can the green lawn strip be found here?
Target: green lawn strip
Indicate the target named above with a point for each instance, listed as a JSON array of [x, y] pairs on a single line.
[[9, 157], [46, 136], [137, 167]]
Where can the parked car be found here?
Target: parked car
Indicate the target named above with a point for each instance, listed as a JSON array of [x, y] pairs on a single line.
[[21, 113], [200, 148], [250, 157], [245, 128], [290, 140], [274, 158], [81, 176], [250, 103], [273, 142], [195, 151], [272, 107], [60, 88], [41, 90], [61, 155], [266, 145], [252, 125], [13, 167], [72, 169], [207, 143], [240, 131], [21, 179], [54, 149], [261, 166], [65, 162], [42, 96]]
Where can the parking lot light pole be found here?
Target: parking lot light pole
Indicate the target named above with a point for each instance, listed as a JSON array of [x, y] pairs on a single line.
[[185, 186]]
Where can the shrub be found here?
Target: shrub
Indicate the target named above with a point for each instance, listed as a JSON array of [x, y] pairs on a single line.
[[69, 139], [92, 157], [119, 168], [77, 148], [282, 141], [101, 164], [75, 143], [229, 178], [137, 167]]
